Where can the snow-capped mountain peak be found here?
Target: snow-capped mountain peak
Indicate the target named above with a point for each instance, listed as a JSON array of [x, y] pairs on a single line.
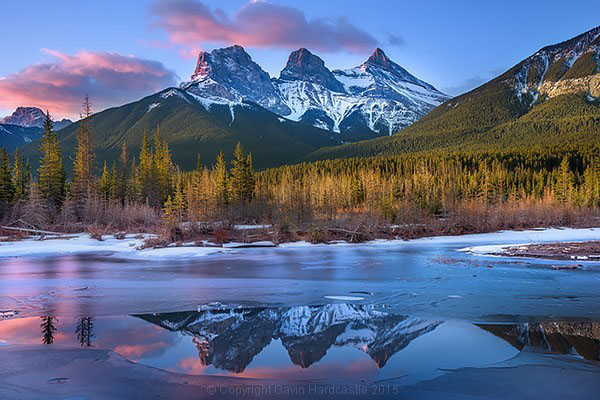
[[376, 98], [32, 117], [230, 75], [302, 65], [26, 116], [379, 58]]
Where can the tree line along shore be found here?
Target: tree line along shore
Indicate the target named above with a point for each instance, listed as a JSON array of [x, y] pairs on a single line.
[[355, 199]]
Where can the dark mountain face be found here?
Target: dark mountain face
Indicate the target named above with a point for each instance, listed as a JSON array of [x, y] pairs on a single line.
[[14, 136], [302, 65], [192, 126], [559, 337]]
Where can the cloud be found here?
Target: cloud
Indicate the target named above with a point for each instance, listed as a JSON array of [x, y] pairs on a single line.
[[190, 23], [396, 40], [109, 78], [467, 85]]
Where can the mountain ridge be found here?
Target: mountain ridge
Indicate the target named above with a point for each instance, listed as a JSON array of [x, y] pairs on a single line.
[[376, 98], [482, 116]]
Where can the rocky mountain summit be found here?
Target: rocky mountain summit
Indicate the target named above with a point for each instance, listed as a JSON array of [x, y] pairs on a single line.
[[32, 117], [376, 98]]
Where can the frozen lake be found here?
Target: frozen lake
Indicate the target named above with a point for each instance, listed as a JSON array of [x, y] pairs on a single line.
[[401, 312]]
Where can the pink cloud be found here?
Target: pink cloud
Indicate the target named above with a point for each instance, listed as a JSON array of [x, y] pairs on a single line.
[[258, 24], [109, 78]]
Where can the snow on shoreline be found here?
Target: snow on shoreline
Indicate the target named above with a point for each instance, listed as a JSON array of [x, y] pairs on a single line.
[[514, 239], [129, 248]]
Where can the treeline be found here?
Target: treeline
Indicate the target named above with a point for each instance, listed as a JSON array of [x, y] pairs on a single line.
[[130, 194], [150, 191]]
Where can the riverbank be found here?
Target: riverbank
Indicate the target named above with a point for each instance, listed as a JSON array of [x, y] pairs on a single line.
[[139, 246]]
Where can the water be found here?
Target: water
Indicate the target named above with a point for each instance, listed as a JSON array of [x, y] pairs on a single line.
[[338, 342], [405, 313]]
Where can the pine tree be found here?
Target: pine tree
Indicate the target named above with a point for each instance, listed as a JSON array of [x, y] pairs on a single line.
[[35, 210], [147, 176], [242, 177], [162, 168], [83, 163], [174, 207], [114, 182], [7, 189], [122, 184], [51, 172], [104, 186], [221, 177], [48, 328], [21, 176], [85, 331], [565, 180], [133, 189]]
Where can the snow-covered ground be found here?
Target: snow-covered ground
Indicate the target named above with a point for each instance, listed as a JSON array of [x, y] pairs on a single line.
[[503, 240], [480, 244]]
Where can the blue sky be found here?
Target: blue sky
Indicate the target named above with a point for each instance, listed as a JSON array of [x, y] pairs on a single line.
[[454, 45]]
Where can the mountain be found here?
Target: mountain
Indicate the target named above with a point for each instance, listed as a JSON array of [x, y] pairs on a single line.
[[32, 117], [230, 339], [24, 126], [376, 98], [195, 125], [582, 338], [14, 136], [550, 98]]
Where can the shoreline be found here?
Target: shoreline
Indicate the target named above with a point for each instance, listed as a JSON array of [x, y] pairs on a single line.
[[135, 246]]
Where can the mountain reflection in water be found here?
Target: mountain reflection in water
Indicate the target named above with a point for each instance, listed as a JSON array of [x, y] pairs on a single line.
[[230, 339], [335, 341]]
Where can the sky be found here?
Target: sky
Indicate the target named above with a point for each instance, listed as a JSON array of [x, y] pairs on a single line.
[[118, 51]]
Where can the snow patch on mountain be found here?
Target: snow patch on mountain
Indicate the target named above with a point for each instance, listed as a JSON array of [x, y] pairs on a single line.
[[531, 77], [378, 97]]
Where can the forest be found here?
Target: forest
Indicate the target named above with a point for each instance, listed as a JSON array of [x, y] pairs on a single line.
[[408, 195]]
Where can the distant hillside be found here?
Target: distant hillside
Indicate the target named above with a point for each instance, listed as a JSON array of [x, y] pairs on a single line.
[[550, 97], [192, 127], [13, 136]]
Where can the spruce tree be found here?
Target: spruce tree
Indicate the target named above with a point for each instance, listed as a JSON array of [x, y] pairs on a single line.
[[221, 182], [147, 177], [104, 186], [51, 172], [21, 176], [7, 189], [122, 181], [83, 163], [242, 177]]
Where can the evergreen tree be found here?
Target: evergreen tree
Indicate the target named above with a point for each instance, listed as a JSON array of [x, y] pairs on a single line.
[[147, 176], [174, 208], [21, 176], [104, 186], [122, 184], [242, 177], [48, 328], [565, 180], [85, 331], [7, 189], [221, 178], [35, 210], [83, 163], [162, 168], [51, 172]]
